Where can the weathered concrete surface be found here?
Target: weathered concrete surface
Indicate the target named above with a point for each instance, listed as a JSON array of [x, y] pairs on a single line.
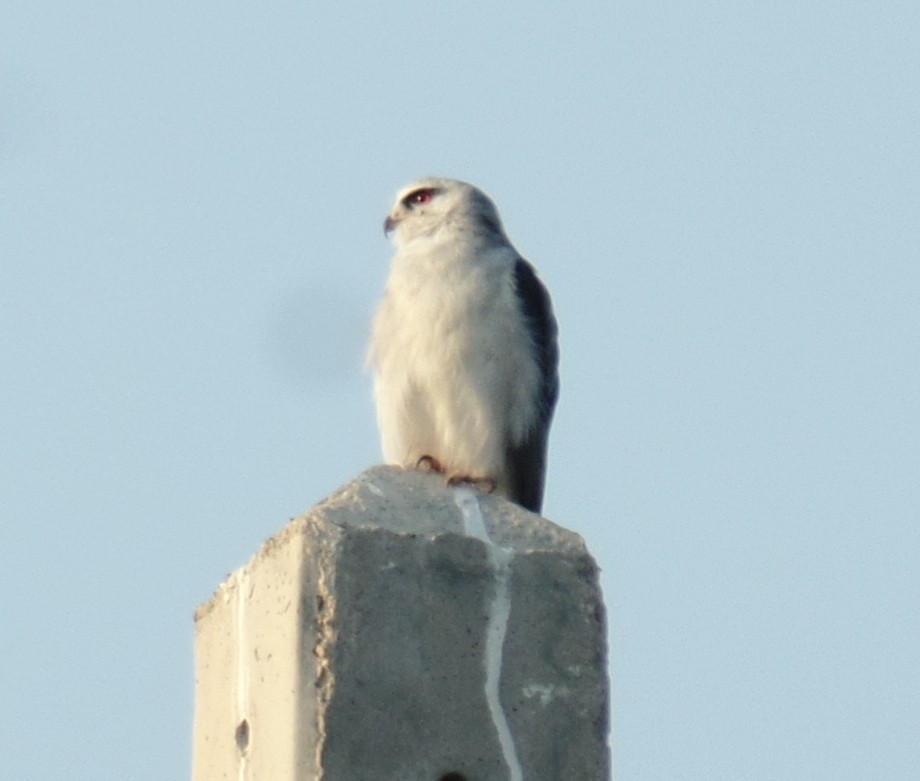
[[354, 646]]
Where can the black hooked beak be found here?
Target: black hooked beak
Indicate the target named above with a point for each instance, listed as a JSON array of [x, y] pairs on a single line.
[[388, 225]]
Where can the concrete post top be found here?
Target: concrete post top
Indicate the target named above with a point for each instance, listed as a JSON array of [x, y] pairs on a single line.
[[411, 502], [407, 501], [406, 629]]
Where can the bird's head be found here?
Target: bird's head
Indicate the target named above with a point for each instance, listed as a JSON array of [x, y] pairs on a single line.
[[431, 205]]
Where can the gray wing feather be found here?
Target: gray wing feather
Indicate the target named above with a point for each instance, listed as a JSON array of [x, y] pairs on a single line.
[[526, 460]]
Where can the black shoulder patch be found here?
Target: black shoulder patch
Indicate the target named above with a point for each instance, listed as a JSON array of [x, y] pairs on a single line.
[[526, 460], [538, 312]]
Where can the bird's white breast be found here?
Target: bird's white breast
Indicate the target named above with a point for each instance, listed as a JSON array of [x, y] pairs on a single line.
[[455, 377]]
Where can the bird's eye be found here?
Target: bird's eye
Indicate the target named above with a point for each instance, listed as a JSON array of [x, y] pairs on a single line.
[[418, 197]]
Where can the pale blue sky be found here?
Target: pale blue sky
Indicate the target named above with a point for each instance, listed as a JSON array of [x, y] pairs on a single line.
[[723, 200]]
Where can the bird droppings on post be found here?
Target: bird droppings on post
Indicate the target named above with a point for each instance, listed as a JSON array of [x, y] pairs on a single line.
[[497, 613]]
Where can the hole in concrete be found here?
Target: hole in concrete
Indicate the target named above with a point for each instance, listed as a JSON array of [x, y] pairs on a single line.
[[242, 735], [453, 777]]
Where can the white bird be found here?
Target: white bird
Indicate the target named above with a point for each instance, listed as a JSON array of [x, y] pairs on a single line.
[[464, 349]]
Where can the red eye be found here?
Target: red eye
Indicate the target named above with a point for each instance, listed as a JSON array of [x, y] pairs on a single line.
[[419, 197]]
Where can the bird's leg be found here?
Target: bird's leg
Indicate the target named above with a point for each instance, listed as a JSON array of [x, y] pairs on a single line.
[[429, 464], [484, 484]]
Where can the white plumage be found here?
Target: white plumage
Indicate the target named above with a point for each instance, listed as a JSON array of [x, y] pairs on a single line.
[[464, 345]]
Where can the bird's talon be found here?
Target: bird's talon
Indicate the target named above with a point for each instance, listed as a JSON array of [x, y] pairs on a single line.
[[484, 484], [429, 464]]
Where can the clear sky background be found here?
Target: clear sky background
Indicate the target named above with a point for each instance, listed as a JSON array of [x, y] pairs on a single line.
[[723, 199]]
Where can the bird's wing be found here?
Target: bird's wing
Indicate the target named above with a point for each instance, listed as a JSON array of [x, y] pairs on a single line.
[[526, 460]]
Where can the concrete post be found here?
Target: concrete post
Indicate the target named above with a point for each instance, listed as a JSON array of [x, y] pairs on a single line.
[[404, 630]]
